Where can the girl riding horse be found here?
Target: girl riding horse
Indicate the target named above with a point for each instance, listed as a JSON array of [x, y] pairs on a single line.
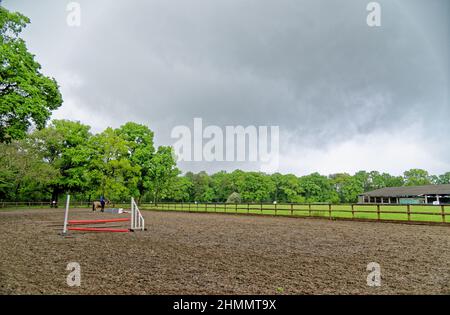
[[100, 204]]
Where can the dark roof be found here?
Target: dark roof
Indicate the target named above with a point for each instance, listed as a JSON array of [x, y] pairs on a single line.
[[409, 191]]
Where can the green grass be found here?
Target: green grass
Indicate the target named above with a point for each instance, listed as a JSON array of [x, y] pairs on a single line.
[[417, 213]]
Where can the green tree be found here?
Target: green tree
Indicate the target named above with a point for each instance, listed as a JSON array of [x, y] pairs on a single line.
[[63, 145], [318, 188], [111, 172], [27, 97], [348, 187], [140, 151], [392, 181], [253, 186], [24, 175], [364, 178], [222, 185], [179, 189], [443, 179], [163, 172], [416, 177], [287, 188], [202, 187]]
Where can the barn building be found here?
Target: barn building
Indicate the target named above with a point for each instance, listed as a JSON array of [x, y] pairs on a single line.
[[428, 194]]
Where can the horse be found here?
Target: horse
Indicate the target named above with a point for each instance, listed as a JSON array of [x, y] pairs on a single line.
[[98, 205]]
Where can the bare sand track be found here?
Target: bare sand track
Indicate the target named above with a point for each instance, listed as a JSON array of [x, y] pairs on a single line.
[[193, 253]]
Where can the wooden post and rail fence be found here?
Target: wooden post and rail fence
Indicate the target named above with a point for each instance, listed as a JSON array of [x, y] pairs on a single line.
[[417, 213]]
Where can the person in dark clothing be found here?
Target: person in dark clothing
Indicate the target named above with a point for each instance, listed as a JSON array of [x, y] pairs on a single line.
[[102, 202]]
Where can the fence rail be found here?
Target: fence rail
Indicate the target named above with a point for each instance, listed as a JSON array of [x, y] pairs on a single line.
[[41, 204], [377, 212], [15, 204]]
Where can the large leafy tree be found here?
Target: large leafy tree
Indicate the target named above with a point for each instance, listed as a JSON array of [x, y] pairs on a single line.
[[416, 177], [318, 188], [111, 172], [202, 187], [223, 186], [24, 174], [179, 189], [348, 187], [139, 140], [63, 145], [27, 97], [253, 186], [287, 188], [441, 179], [163, 172]]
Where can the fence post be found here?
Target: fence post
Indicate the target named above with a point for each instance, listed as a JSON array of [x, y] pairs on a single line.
[[329, 211], [275, 209], [408, 209], [443, 213], [261, 208], [235, 207], [309, 209], [378, 212], [248, 208], [353, 211], [292, 209]]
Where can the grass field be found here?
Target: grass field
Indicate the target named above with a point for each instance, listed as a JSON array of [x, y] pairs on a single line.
[[374, 212]]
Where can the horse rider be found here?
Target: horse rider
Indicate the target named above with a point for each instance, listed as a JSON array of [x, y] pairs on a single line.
[[102, 202]]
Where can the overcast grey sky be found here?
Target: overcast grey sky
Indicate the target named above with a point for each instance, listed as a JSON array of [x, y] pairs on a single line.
[[345, 95]]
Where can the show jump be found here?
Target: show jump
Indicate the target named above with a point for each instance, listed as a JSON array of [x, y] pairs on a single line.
[[136, 220]]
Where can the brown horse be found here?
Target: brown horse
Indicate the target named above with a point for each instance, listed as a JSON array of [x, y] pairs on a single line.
[[98, 205]]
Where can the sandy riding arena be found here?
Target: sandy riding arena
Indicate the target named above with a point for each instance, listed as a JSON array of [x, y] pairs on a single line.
[[189, 253]]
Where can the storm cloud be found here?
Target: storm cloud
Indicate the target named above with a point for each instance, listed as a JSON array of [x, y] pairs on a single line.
[[345, 96]]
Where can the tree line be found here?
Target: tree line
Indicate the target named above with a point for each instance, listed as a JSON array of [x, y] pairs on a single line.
[[240, 186], [65, 157]]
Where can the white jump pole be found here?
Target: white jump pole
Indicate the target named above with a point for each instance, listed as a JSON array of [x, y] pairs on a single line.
[[132, 213], [66, 215], [137, 220]]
